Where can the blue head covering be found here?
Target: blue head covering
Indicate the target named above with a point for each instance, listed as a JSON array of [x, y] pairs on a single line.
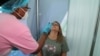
[[12, 5]]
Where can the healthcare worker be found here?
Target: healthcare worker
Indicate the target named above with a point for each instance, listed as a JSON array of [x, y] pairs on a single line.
[[15, 34]]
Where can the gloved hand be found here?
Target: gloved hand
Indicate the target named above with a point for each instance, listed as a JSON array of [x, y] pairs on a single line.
[[47, 28]]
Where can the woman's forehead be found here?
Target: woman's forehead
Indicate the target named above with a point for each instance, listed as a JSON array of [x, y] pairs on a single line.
[[54, 23]]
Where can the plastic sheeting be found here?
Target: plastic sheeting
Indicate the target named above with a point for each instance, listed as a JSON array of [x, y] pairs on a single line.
[[81, 24]]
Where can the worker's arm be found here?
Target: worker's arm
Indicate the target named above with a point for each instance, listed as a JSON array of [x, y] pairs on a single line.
[[41, 42], [40, 53]]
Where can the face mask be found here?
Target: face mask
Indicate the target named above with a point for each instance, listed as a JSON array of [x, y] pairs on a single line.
[[24, 19], [25, 16]]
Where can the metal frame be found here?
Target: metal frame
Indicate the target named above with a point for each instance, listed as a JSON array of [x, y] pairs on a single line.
[[37, 19]]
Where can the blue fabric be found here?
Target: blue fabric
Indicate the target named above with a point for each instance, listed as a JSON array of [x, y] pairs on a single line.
[[11, 5], [47, 28], [18, 53]]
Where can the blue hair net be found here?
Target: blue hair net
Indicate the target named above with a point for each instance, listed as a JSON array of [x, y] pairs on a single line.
[[12, 5]]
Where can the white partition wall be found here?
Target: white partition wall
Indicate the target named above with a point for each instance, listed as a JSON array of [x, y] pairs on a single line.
[[97, 44], [32, 19], [81, 24]]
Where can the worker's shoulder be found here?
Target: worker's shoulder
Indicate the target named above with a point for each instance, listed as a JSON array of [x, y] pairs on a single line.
[[5, 15]]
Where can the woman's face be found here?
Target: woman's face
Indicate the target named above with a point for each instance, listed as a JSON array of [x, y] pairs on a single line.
[[55, 27]]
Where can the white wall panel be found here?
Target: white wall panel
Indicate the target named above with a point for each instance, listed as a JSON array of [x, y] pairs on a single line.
[[97, 44], [81, 23]]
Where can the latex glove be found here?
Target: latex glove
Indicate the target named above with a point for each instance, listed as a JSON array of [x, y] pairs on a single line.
[[47, 28]]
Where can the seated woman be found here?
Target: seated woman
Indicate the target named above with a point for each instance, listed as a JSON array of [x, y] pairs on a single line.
[[55, 44]]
